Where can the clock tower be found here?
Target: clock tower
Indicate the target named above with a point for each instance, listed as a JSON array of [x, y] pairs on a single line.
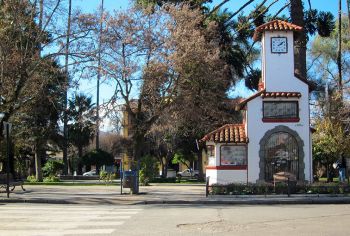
[[277, 54], [273, 143]]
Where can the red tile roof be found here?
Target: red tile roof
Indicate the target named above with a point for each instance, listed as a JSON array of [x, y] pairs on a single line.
[[245, 101], [230, 133], [275, 25], [264, 94], [278, 25], [280, 94]]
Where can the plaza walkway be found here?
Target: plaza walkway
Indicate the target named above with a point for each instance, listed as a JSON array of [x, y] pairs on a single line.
[[154, 194]]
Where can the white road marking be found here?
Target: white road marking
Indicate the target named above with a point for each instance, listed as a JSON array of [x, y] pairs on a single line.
[[54, 232], [66, 225], [42, 220]]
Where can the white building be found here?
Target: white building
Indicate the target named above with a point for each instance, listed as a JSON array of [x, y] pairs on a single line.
[[275, 135]]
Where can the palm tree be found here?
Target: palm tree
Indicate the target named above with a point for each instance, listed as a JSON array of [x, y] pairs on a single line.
[[297, 15], [81, 119]]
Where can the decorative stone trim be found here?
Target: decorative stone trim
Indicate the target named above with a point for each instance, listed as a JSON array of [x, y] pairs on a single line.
[[265, 138]]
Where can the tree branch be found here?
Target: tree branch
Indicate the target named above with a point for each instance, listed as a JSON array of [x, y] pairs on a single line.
[[238, 11], [217, 7]]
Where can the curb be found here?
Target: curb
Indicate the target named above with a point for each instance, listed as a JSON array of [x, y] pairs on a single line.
[[46, 201], [284, 201]]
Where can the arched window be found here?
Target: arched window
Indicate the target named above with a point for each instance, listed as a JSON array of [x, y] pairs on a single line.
[[281, 154]]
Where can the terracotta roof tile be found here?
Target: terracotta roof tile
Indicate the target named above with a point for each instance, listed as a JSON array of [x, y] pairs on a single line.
[[280, 95], [275, 25], [245, 101], [230, 133], [278, 25]]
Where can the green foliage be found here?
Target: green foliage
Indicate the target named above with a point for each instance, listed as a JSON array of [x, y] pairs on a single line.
[[148, 169], [50, 179], [321, 22], [32, 179], [82, 118], [153, 3], [106, 177], [280, 188], [324, 54], [183, 158], [52, 168], [97, 157], [329, 141]]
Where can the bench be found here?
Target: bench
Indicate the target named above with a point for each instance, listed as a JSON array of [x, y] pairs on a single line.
[[12, 182]]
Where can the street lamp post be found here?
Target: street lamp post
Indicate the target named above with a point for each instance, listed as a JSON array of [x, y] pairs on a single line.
[[7, 127]]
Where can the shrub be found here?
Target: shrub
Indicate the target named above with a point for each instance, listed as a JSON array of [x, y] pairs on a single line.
[[280, 188], [148, 169], [52, 168], [50, 179], [31, 179], [106, 177]]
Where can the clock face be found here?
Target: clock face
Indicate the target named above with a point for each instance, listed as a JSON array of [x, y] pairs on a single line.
[[279, 45]]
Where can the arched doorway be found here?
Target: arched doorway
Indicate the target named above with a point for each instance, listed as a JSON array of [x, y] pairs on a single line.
[[281, 154], [281, 149]]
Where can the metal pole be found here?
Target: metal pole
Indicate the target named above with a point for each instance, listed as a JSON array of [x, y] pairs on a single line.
[[7, 127], [207, 187], [121, 178], [66, 169]]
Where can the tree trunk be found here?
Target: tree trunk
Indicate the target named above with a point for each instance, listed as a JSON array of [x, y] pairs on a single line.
[[165, 169], [297, 15], [200, 163], [80, 157], [39, 153], [162, 163], [340, 77], [98, 80], [138, 145], [348, 9], [12, 159]]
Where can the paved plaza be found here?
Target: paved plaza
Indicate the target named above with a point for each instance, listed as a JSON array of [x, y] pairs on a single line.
[[154, 194]]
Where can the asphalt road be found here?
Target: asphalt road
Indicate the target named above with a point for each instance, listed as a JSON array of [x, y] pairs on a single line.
[[86, 219]]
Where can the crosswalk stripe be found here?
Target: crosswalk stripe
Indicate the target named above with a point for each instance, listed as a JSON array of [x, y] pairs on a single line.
[[69, 213], [41, 220], [65, 208], [45, 218], [67, 225], [55, 232]]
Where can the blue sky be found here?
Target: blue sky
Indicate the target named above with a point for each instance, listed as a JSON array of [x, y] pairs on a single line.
[[232, 6]]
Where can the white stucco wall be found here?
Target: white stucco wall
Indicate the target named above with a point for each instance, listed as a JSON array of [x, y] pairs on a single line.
[[278, 67], [219, 176], [224, 177], [257, 129]]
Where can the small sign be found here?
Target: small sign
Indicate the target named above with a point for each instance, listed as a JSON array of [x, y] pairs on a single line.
[[8, 126]]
